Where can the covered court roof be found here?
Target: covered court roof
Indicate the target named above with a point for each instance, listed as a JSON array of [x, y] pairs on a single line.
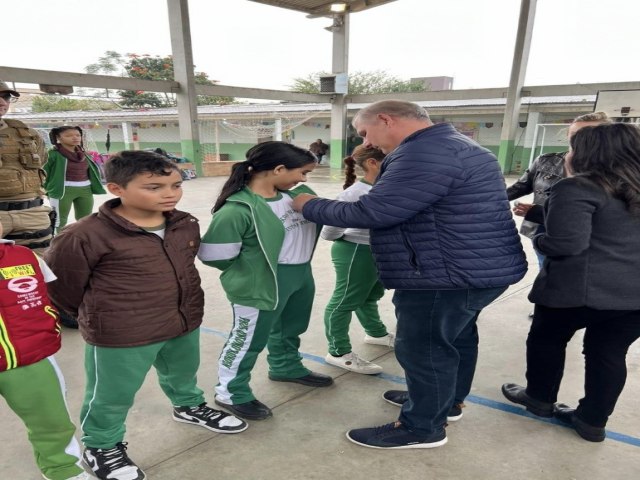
[[323, 7]]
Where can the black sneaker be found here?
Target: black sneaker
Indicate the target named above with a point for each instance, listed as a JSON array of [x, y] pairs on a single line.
[[399, 397], [396, 397], [112, 463], [207, 417], [455, 412], [395, 436], [253, 410]]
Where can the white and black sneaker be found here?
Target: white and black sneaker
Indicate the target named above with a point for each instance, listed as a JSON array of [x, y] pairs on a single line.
[[214, 420], [112, 463]]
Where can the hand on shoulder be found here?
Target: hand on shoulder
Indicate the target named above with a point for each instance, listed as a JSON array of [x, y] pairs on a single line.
[[300, 200]]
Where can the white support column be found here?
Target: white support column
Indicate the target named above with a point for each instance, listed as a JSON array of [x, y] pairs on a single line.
[[530, 139], [518, 71], [183, 73], [339, 64], [126, 135], [277, 130]]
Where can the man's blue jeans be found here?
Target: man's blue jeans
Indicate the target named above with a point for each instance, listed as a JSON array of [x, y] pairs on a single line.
[[437, 345]]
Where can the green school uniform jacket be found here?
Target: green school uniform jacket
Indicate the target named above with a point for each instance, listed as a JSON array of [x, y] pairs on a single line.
[[56, 169], [244, 241]]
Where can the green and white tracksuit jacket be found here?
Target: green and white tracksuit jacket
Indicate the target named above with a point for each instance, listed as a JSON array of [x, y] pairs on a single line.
[[271, 301]]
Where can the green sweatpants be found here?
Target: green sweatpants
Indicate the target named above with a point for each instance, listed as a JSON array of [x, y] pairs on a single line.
[[81, 198], [357, 290], [114, 376], [279, 330], [36, 394]]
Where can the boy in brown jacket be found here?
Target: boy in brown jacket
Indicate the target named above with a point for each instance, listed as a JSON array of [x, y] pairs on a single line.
[[128, 273]]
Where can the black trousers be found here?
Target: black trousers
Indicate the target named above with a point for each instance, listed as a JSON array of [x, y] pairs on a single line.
[[608, 335]]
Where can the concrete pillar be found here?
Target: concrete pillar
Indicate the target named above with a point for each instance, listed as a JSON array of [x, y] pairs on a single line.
[[339, 64], [183, 73], [518, 71]]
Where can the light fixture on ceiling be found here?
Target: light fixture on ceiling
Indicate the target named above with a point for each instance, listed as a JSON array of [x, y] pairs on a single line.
[[338, 23], [338, 7]]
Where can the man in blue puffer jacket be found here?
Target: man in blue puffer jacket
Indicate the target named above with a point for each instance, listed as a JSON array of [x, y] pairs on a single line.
[[443, 237]]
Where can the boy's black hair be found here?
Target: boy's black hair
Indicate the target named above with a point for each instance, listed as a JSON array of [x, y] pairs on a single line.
[[124, 166]]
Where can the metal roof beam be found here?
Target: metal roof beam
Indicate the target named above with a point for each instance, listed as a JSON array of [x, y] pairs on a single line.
[[27, 75], [473, 94]]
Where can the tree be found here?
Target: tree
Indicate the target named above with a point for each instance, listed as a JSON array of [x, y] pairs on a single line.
[[46, 103], [110, 63], [161, 68], [377, 81]]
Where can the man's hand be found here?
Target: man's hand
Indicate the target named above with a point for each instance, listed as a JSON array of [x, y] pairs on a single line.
[[521, 209], [300, 200]]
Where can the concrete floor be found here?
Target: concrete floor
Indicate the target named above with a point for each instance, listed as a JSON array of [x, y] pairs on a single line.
[[306, 437]]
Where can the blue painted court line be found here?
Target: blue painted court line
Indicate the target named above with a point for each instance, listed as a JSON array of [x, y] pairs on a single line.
[[485, 402]]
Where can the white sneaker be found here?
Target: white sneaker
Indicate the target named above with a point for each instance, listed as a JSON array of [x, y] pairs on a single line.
[[353, 363], [387, 341]]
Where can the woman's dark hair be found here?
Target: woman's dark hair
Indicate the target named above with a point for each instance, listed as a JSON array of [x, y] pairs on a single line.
[[55, 132], [609, 155], [259, 158], [124, 166], [358, 157]]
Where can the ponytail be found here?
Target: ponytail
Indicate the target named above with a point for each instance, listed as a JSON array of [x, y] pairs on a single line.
[[349, 172], [263, 157], [240, 175], [358, 157]]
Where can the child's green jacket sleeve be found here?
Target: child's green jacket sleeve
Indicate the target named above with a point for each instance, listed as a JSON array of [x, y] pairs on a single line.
[[222, 242]]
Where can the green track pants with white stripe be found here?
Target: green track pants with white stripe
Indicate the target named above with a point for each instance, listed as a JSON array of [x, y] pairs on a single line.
[[279, 330], [36, 394]]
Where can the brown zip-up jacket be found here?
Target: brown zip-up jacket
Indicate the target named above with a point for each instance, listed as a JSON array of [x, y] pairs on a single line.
[[127, 286]]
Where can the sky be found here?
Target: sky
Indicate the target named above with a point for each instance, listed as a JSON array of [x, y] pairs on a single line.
[[243, 43]]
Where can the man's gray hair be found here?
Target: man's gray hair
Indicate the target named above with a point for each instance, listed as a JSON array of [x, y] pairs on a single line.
[[394, 108]]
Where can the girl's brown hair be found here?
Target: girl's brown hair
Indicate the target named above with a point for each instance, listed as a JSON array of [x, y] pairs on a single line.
[[359, 155]]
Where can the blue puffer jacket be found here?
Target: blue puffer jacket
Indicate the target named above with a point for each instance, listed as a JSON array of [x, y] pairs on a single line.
[[438, 214]]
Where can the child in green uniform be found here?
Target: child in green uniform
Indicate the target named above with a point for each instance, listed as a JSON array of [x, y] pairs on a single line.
[[264, 250], [30, 381], [72, 176], [128, 273], [357, 286]]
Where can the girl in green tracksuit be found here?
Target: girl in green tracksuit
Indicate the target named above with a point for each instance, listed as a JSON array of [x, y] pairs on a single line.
[[72, 176], [264, 249], [357, 286]]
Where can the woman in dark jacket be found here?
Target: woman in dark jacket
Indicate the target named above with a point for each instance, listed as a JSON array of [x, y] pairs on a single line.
[[589, 279], [545, 171]]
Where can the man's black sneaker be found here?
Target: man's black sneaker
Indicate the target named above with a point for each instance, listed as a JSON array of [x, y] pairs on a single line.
[[567, 415], [395, 436], [399, 397], [112, 463], [396, 397], [455, 412], [207, 417]]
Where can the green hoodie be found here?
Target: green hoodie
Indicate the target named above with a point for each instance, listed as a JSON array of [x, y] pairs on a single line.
[[56, 170], [244, 240]]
